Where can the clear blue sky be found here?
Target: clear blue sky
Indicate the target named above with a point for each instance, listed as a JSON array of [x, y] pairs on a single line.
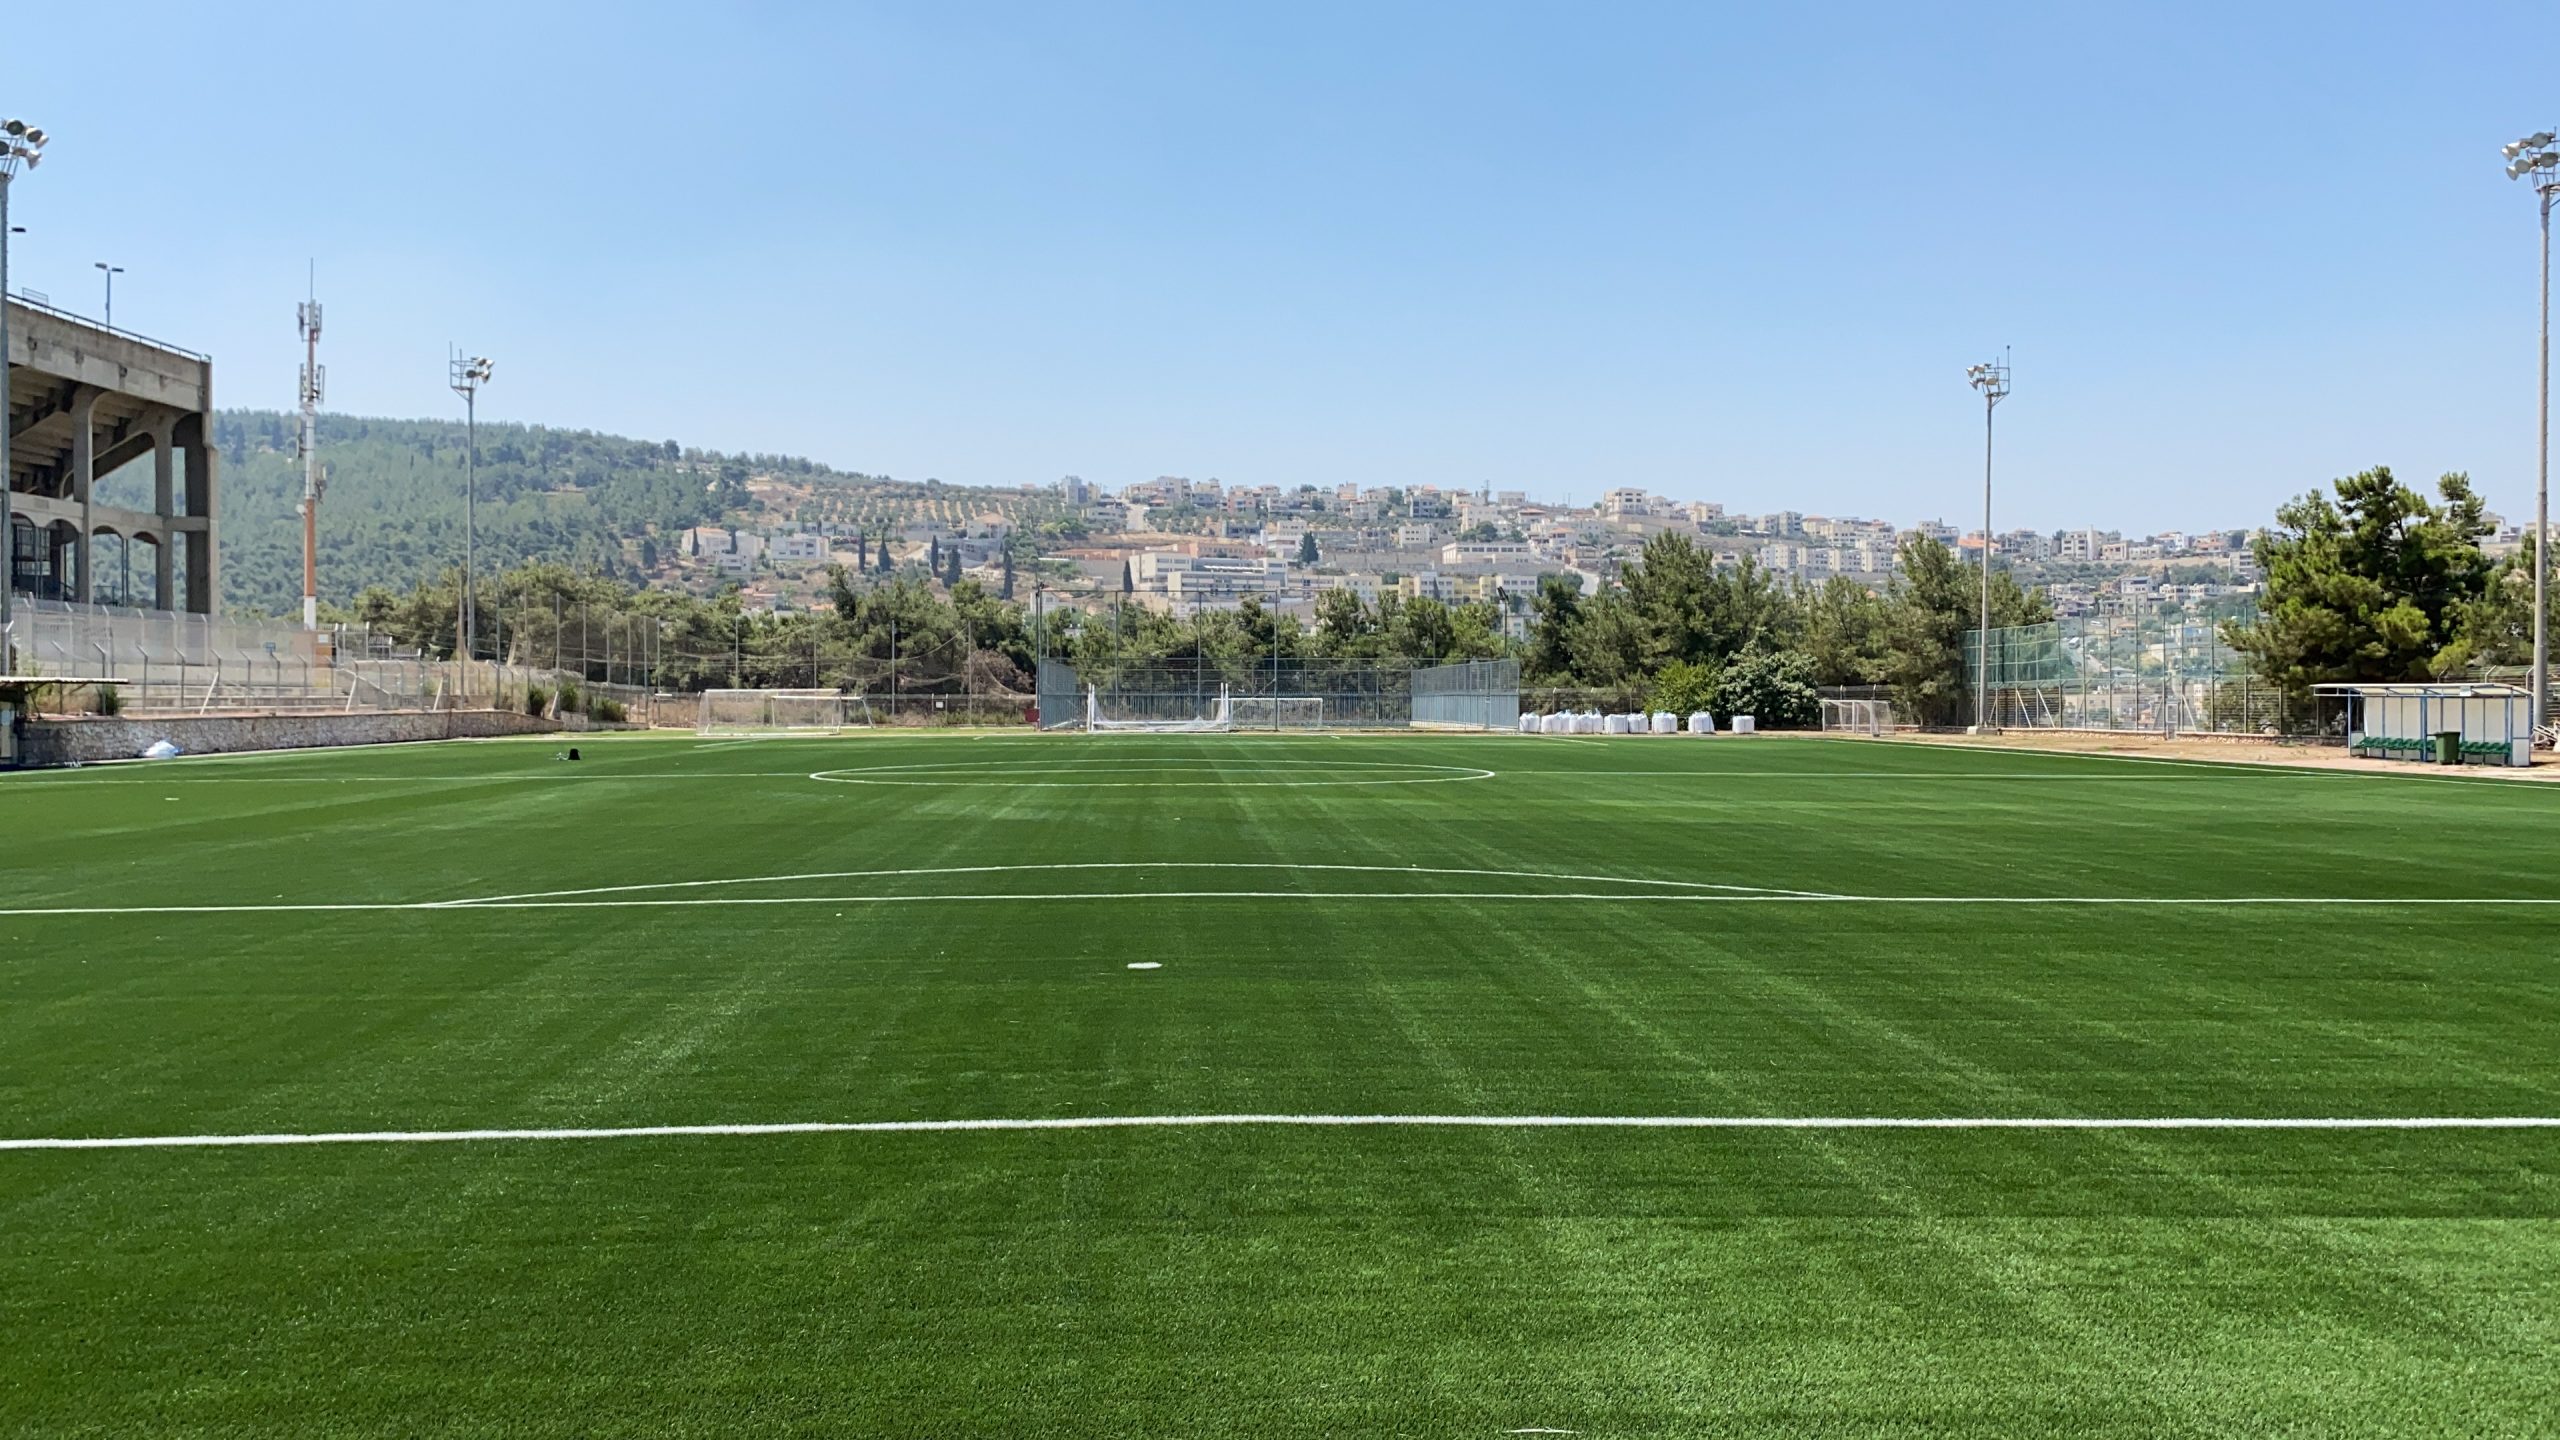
[[1724, 252]]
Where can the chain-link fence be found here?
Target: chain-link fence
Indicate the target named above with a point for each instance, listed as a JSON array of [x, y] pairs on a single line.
[[2148, 669], [1282, 694], [171, 663], [1479, 694]]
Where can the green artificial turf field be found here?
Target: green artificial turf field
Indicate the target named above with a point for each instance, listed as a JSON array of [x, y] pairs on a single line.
[[1395, 927]]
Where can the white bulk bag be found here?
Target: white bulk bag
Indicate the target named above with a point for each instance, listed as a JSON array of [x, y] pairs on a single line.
[[1742, 725], [1701, 723], [1665, 723]]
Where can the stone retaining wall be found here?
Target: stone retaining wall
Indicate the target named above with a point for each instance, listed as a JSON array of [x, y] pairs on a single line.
[[89, 738]]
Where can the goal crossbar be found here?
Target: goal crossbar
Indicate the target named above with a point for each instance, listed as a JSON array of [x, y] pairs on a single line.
[[780, 712], [1219, 719]]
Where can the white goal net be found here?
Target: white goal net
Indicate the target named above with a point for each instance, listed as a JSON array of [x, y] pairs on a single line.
[[1279, 712], [1155, 717], [779, 712], [1857, 717]]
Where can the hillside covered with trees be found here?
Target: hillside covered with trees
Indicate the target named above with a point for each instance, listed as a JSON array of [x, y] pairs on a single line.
[[605, 505]]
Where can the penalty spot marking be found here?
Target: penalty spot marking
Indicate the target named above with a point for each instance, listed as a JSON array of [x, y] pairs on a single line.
[[1199, 1122], [1146, 965]]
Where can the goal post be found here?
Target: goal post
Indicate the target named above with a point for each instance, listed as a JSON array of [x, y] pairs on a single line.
[[780, 712], [1856, 717], [1278, 712], [1152, 715]]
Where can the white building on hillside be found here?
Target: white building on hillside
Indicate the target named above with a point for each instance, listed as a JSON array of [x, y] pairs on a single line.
[[1480, 552], [1207, 581]]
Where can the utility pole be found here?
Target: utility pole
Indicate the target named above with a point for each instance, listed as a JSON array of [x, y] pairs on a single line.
[[314, 381], [21, 146], [467, 376], [1992, 380], [2533, 157]]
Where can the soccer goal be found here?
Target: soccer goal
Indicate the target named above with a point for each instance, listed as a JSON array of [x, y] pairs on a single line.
[[780, 712], [1857, 717], [1150, 715], [1279, 712]]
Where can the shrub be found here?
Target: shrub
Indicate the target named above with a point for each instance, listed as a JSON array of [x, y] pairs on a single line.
[[568, 697], [108, 702], [609, 711], [535, 698], [1682, 687], [1774, 687]]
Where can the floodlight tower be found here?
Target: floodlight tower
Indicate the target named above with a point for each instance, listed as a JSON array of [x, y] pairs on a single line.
[[467, 376], [314, 381], [2533, 158], [1992, 380], [21, 146]]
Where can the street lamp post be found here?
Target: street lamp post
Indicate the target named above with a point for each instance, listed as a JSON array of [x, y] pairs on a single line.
[[111, 272], [2533, 158], [1992, 380], [467, 376], [21, 146]]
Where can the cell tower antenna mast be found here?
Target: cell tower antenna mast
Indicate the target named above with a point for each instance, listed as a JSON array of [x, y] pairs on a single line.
[[314, 382]]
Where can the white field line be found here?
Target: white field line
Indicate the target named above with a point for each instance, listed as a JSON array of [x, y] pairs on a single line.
[[1132, 865], [1461, 896], [281, 753], [1175, 1122], [2486, 775], [1905, 775], [566, 772], [974, 775]]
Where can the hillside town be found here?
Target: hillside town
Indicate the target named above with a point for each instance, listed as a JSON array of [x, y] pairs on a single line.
[[1180, 546]]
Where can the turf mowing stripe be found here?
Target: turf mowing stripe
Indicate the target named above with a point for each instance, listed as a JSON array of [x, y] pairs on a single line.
[[460, 907], [1479, 1122]]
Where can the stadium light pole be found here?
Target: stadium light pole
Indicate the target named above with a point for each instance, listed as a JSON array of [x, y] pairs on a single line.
[[2533, 158], [21, 146], [466, 377], [111, 272], [1992, 380]]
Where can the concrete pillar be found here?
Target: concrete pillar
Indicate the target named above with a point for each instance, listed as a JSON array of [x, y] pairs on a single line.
[[164, 461], [84, 481], [204, 582], [164, 512]]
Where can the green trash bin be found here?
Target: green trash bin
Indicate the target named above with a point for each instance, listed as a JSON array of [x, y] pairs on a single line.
[[2448, 747]]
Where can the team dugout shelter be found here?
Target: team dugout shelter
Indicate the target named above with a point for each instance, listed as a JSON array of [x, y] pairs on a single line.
[[2493, 723]]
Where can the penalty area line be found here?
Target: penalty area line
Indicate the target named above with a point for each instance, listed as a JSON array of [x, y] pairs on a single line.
[[615, 902], [1179, 1122]]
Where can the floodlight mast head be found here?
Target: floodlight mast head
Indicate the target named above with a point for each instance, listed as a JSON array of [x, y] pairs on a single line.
[[469, 375], [2533, 158], [21, 147], [1992, 379]]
